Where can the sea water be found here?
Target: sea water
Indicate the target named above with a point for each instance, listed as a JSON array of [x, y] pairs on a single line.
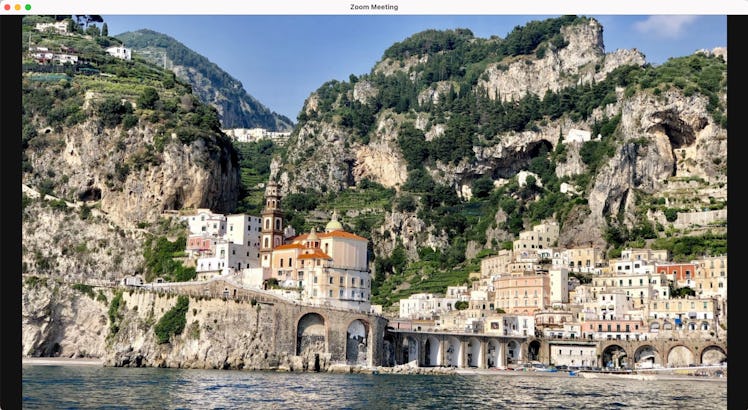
[[93, 387]]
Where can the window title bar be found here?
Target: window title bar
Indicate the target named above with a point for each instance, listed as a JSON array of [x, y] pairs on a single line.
[[347, 7]]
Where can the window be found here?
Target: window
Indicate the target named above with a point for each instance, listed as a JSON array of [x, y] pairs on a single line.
[[315, 281], [329, 293], [341, 293], [281, 261], [342, 279], [330, 280]]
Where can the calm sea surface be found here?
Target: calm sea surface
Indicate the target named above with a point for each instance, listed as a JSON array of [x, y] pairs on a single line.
[[73, 387]]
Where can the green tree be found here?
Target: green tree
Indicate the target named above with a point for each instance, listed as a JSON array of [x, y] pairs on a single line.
[[173, 321], [148, 98], [482, 187], [105, 30]]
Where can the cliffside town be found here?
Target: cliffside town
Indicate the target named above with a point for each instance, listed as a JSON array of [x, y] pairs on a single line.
[[474, 203]]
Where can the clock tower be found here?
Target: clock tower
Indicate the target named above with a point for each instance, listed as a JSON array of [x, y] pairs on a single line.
[[271, 234]]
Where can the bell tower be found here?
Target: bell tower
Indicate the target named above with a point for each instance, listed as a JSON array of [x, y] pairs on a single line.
[[271, 234]]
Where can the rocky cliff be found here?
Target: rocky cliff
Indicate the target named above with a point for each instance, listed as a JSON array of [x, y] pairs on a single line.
[[667, 131]]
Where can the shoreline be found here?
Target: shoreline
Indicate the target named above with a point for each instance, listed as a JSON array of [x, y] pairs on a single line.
[[565, 374], [62, 361], [406, 370]]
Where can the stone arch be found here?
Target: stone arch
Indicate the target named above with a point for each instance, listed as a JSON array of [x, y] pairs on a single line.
[[388, 346], [311, 335], [615, 356], [494, 354], [713, 355], [533, 350], [680, 356], [646, 356], [432, 351], [410, 350], [512, 352], [453, 352], [356, 341], [474, 356]]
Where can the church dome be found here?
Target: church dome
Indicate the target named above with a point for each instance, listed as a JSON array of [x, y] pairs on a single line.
[[334, 225]]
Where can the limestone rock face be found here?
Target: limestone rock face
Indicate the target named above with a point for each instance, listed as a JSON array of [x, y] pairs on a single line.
[[579, 62], [364, 91], [130, 179], [58, 242], [664, 138], [411, 231], [58, 321]]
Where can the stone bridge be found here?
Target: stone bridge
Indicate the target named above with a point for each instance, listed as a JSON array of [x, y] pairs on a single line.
[[320, 334], [453, 349], [662, 352], [492, 351], [324, 335]]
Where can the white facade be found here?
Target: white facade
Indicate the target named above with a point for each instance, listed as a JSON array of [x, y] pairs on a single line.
[[60, 27], [206, 222], [631, 267], [559, 285], [120, 52], [256, 134], [458, 292], [611, 306], [518, 325], [425, 305], [575, 135], [573, 355]]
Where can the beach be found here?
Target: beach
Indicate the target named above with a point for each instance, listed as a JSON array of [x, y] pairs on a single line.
[[62, 361]]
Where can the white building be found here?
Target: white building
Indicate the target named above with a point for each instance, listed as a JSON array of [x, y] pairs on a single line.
[[575, 355], [580, 136], [425, 306], [120, 52], [257, 134], [518, 325], [206, 222], [559, 285], [60, 27]]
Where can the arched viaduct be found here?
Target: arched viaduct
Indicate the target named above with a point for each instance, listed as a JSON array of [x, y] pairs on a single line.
[[325, 334], [490, 351]]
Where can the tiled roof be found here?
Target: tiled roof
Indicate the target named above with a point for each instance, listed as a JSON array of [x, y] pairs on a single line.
[[288, 246], [317, 254]]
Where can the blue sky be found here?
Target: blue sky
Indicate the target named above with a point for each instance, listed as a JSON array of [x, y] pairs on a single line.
[[281, 59]]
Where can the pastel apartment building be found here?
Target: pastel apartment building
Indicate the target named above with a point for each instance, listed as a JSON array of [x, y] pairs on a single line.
[[584, 259], [691, 314], [497, 264], [523, 294], [541, 236], [711, 276]]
